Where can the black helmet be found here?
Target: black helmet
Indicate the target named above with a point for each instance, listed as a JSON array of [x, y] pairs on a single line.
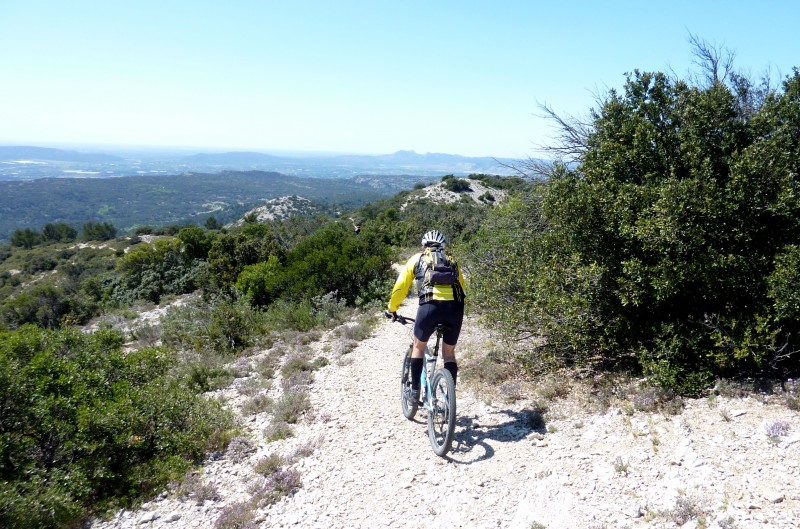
[[433, 238]]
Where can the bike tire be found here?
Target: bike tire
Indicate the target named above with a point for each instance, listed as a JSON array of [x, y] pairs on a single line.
[[409, 409], [442, 416]]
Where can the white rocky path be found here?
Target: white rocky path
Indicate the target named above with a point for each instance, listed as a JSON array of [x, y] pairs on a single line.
[[713, 465]]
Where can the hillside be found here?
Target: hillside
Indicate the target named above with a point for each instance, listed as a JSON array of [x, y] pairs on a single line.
[[552, 454], [158, 200], [279, 209]]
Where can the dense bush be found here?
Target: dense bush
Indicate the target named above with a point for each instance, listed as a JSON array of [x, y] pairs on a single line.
[[42, 304], [456, 185], [222, 325], [229, 254], [96, 231], [25, 238], [673, 242], [332, 259], [86, 427], [403, 220], [507, 183], [59, 232], [168, 266]]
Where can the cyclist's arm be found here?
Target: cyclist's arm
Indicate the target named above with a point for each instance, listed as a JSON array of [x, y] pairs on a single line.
[[461, 280], [403, 283]]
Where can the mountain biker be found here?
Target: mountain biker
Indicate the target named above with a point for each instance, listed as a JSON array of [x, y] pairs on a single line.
[[438, 303]]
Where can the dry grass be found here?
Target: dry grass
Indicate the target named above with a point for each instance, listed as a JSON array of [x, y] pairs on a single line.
[[256, 404], [278, 431], [291, 406], [195, 488], [269, 464], [240, 449]]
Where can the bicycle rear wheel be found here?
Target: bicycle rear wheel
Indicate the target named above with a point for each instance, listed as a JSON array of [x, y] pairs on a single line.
[[442, 418], [409, 408]]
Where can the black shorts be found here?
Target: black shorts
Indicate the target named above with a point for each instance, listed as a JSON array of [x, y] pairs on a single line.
[[432, 313]]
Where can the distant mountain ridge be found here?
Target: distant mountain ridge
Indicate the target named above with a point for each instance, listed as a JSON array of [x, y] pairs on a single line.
[[14, 153], [30, 162], [402, 158]]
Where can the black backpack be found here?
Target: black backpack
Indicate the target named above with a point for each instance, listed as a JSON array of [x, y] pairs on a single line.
[[436, 268]]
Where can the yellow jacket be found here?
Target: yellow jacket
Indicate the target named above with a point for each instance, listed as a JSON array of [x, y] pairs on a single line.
[[413, 270]]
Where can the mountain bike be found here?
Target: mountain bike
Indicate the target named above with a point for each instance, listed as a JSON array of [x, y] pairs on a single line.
[[437, 394]]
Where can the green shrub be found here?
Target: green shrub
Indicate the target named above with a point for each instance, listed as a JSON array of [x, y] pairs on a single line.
[[149, 272], [670, 247], [95, 231], [456, 185], [205, 373], [332, 259], [89, 427], [222, 325], [284, 315], [229, 254], [25, 238], [297, 362]]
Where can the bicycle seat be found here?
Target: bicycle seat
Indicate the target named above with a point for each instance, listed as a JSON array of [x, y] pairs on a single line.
[[442, 327]]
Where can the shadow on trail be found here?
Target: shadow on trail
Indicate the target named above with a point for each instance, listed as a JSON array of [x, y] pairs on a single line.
[[472, 436]]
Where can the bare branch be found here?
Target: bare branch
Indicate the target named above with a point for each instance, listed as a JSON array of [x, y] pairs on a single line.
[[530, 168], [716, 62], [572, 135]]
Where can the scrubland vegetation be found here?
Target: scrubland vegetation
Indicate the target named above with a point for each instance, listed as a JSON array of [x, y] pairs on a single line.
[[664, 242]]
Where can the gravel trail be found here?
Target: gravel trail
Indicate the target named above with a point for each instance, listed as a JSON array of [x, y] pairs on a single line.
[[713, 465]]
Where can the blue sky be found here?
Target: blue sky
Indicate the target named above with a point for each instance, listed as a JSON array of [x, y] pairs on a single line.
[[372, 77]]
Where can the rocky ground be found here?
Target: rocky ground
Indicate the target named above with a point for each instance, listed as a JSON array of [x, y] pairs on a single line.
[[727, 462]]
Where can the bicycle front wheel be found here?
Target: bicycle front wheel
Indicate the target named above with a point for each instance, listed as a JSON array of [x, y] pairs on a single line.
[[409, 408], [442, 416]]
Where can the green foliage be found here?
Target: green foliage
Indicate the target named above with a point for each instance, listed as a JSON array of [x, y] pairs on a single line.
[[59, 232], [263, 283], [146, 200], [403, 220], [672, 243], [229, 254], [196, 242], [168, 266], [506, 183], [332, 259], [223, 325], [456, 185], [86, 427], [98, 231], [26, 238], [43, 305], [51, 285]]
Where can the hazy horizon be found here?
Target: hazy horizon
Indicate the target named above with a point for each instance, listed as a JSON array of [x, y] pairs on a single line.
[[188, 150]]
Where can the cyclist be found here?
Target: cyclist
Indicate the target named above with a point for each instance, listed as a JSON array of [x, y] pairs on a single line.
[[438, 303]]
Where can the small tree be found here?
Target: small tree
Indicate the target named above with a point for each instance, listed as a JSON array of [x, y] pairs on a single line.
[[95, 231], [59, 232], [26, 238]]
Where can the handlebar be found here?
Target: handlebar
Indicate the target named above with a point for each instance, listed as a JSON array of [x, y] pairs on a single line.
[[398, 317]]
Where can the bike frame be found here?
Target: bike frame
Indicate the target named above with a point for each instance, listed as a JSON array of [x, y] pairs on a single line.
[[430, 368]]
